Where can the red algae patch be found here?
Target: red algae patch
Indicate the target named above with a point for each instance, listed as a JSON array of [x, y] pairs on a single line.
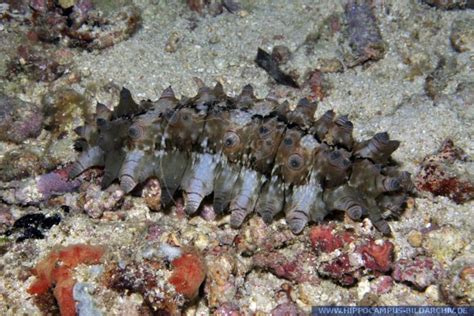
[[377, 257], [323, 238], [55, 272], [188, 274]]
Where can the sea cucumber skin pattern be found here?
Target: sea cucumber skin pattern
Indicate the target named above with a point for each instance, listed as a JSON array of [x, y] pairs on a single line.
[[250, 154]]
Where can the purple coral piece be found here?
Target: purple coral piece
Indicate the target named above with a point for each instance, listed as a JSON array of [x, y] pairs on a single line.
[[421, 271], [56, 182]]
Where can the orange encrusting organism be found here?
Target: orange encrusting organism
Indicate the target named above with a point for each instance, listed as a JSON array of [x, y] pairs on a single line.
[[188, 274], [55, 271]]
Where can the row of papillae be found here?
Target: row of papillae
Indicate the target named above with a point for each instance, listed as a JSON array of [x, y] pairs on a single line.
[[250, 153]]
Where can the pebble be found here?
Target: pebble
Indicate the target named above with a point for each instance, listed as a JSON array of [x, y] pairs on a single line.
[[415, 238], [172, 42], [281, 54], [445, 243], [19, 120], [17, 164], [462, 35]]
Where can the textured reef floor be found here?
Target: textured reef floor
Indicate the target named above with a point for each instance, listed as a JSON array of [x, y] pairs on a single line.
[[68, 246]]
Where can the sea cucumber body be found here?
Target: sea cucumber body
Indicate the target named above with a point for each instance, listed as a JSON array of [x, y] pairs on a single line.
[[250, 154]]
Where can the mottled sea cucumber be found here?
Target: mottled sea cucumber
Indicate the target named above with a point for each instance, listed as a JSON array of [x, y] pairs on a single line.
[[248, 154]]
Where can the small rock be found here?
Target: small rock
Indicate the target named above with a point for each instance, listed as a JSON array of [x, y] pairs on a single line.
[[85, 302], [382, 285], [462, 35], [220, 284], [172, 42], [330, 65], [446, 173], [38, 65], [458, 287], [369, 299], [214, 39], [19, 120], [318, 85], [154, 232], [243, 13], [96, 201], [20, 163], [6, 218], [437, 81], [287, 309], [66, 3], [363, 32], [450, 4], [421, 272], [281, 54], [151, 193], [298, 268], [415, 238], [341, 269], [227, 309], [208, 213], [195, 5], [62, 107], [432, 292], [444, 243]]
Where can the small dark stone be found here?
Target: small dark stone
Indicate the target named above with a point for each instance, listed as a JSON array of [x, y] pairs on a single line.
[[30, 233], [29, 220], [32, 226], [451, 4], [49, 222], [266, 61], [281, 54], [231, 6]]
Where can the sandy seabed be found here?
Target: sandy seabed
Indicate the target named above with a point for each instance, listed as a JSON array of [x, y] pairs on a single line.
[[174, 45]]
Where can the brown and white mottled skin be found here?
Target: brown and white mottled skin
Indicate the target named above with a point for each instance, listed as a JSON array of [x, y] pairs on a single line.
[[250, 154]]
